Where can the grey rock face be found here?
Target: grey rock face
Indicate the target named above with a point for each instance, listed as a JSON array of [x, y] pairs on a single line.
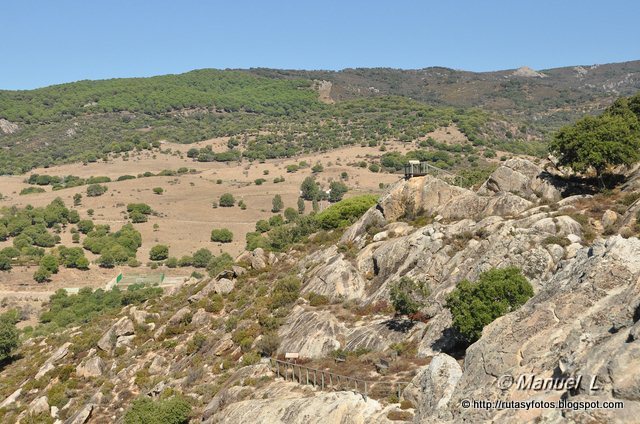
[[432, 388], [335, 277], [8, 127], [311, 333], [180, 315], [223, 286], [338, 407], [582, 322], [49, 364]]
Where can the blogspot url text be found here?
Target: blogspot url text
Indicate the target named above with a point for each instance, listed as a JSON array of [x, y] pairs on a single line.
[[540, 404]]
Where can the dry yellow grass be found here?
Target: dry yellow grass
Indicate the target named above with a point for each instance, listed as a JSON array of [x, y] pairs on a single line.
[[185, 213]]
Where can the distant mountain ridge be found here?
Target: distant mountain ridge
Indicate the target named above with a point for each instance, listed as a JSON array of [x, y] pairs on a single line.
[[510, 91], [509, 110]]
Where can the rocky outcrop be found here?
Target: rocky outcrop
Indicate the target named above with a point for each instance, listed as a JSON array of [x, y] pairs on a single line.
[[424, 195], [378, 334], [11, 399], [93, 367], [311, 333], [432, 387], [508, 231], [523, 178], [50, 363], [119, 332], [8, 127], [338, 407], [371, 219], [39, 405], [223, 286], [584, 321], [429, 195], [334, 276], [258, 259], [82, 416]]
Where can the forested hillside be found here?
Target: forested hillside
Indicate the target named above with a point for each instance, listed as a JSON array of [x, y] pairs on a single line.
[[274, 113], [223, 91]]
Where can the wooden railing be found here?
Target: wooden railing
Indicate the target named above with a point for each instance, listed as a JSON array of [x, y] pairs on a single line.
[[327, 380]]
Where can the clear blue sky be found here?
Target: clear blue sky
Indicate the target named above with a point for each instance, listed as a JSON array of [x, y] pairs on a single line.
[[47, 42]]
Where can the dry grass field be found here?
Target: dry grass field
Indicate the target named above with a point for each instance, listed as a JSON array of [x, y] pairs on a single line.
[[185, 216]]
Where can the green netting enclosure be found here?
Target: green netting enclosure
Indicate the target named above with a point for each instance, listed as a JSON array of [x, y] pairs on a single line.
[[149, 279]]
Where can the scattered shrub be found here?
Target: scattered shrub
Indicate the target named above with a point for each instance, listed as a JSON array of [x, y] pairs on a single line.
[[159, 252], [227, 200], [201, 258], [497, 292], [95, 190], [562, 241], [222, 235], [31, 190], [345, 212], [173, 410], [407, 296], [277, 204], [285, 292]]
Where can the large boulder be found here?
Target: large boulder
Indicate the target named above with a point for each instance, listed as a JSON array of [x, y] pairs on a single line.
[[180, 316], [432, 388], [524, 178], [223, 286], [420, 195], [39, 405], [122, 328], [93, 367]]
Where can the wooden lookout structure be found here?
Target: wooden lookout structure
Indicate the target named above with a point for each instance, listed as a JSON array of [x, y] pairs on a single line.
[[415, 168]]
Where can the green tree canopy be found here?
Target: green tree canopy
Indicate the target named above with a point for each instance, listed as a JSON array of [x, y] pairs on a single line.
[[8, 335], [159, 252], [598, 142], [227, 200], [221, 235], [277, 203], [309, 190], [407, 296], [497, 292]]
